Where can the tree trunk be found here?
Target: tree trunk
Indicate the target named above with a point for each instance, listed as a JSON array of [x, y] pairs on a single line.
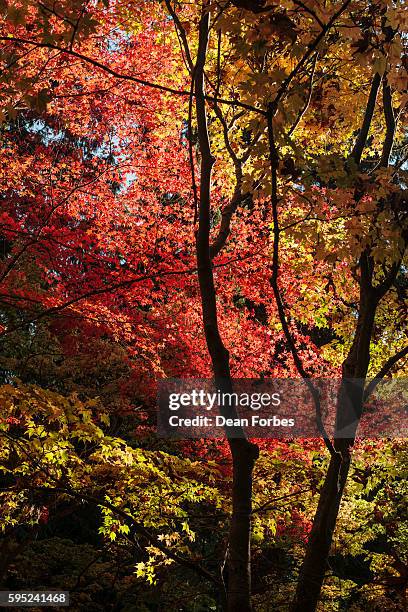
[[315, 562], [354, 372], [348, 414], [244, 453]]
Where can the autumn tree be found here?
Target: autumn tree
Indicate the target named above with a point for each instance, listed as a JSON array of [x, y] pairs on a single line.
[[284, 184]]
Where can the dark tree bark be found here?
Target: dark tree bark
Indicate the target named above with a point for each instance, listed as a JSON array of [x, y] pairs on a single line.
[[315, 562], [352, 392], [244, 453], [348, 413], [351, 398]]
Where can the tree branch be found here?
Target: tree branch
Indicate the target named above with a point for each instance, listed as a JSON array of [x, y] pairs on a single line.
[[226, 216], [390, 363], [307, 101], [127, 77], [388, 281], [274, 163], [228, 210], [137, 527], [182, 33], [368, 115], [390, 125], [310, 11], [310, 50]]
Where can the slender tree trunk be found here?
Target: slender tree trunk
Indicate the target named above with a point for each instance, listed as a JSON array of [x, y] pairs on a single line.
[[315, 562], [351, 397], [348, 414], [244, 454]]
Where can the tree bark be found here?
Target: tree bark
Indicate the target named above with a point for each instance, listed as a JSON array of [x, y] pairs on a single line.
[[351, 394], [244, 453], [315, 562]]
